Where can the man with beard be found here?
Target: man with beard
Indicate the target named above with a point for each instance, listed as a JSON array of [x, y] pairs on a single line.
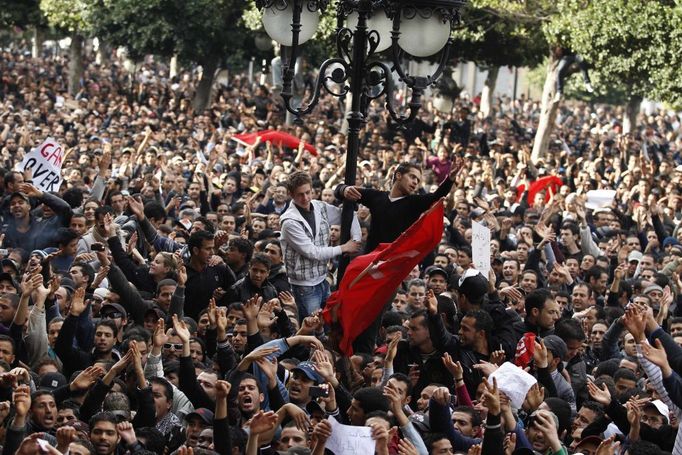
[[24, 229], [103, 433], [43, 414]]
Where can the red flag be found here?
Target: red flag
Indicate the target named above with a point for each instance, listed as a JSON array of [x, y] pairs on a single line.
[[276, 138], [552, 182], [370, 280]]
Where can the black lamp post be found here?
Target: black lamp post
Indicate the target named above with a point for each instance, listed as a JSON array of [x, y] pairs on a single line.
[[419, 28]]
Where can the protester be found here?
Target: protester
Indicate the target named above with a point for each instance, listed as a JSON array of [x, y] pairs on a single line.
[[170, 294]]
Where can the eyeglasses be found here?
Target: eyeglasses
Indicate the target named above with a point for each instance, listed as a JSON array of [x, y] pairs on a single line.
[[113, 315], [174, 346]]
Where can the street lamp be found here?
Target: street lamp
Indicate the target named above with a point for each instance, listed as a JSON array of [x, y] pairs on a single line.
[[417, 28]]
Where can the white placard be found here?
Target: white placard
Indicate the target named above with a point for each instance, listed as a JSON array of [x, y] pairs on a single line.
[[350, 440], [45, 163], [514, 382], [480, 247]]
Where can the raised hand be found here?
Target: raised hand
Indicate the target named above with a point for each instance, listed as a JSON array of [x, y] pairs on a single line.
[[136, 206], [160, 337], [252, 307], [540, 355], [322, 432], [392, 349], [323, 365], [287, 299], [657, 356], [405, 447], [486, 368], [78, 303], [21, 400], [86, 378], [181, 329], [262, 422], [269, 368], [635, 321], [65, 435], [29, 190], [182, 274], [442, 396], [222, 389], [126, 432], [535, 397], [600, 395], [498, 357], [455, 368], [431, 302], [491, 397]]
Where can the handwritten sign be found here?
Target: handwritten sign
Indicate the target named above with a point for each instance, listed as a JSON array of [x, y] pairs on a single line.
[[480, 247], [513, 381], [350, 440], [45, 164]]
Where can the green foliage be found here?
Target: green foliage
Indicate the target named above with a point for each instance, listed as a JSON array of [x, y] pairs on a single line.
[[68, 15], [195, 30], [21, 13], [631, 45], [491, 39]]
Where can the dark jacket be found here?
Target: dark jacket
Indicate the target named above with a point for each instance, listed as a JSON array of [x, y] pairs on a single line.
[[244, 289], [42, 232]]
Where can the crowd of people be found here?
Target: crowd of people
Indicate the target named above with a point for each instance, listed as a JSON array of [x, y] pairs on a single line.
[[167, 298]]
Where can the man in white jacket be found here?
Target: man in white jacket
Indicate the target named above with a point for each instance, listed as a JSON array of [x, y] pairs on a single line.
[[305, 243]]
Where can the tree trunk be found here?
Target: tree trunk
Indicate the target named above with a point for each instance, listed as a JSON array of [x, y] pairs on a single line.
[[550, 108], [202, 97], [38, 38], [103, 53], [75, 63], [173, 67], [489, 90], [630, 115]]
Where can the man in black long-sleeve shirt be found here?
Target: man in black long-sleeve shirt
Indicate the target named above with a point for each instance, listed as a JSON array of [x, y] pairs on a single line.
[[392, 213]]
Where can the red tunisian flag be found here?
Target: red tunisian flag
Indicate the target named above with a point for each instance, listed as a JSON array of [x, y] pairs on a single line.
[[276, 138], [551, 182], [371, 280]]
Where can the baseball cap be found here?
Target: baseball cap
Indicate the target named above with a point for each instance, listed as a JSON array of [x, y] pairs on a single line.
[[52, 381], [434, 269], [556, 345], [308, 369], [21, 195], [634, 256], [473, 285], [204, 414], [660, 407], [10, 263], [113, 307], [7, 277]]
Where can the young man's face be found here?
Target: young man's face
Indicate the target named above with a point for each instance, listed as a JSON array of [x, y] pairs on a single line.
[[463, 424], [258, 273], [409, 181], [104, 437], [204, 253]]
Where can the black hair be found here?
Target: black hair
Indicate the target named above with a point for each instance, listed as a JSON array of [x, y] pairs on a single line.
[[401, 377], [431, 438], [101, 211], [537, 299], [573, 227], [261, 258], [593, 406], [65, 236], [371, 399], [107, 323], [87, 271], [103, 416], [168, 388], [244, 246], [569, 329], [197, 239], [39, 393], [624, 373], [154, 211], [476, 419], [207, 224], [483, 321], [404, 168], [594, 272]]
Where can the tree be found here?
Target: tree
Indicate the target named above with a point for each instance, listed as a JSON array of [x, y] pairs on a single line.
[[492, 40], [24, 14], [630, 45], [70, 16], [201, 31]]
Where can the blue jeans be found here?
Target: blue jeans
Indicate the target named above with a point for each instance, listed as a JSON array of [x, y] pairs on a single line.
[[310, 298]]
